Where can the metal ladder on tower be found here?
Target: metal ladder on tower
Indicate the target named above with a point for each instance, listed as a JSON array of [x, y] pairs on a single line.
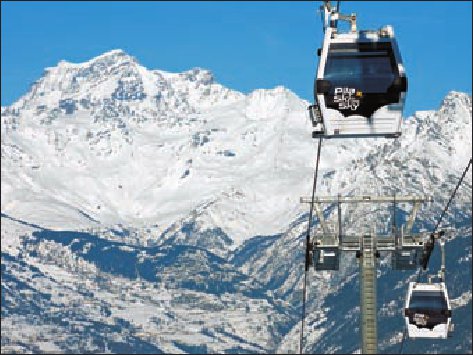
[[368, 295]]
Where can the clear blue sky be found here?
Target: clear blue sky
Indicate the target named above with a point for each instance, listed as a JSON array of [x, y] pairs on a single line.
[[247, 45]]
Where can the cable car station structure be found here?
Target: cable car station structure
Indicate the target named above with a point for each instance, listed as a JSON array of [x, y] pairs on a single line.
[[359, 92]]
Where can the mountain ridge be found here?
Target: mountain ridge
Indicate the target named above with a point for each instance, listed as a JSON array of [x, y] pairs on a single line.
[[204, 125]]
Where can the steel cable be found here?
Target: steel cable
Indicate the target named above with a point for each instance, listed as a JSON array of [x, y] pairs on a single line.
[[452, 196], [307, 254]]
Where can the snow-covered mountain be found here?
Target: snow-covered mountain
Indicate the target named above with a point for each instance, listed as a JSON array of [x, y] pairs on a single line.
[[108, 142], [148, 211]]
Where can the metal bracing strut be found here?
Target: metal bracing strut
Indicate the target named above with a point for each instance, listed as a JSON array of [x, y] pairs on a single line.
[[412, 218], [339, 211], [320, 216], [442, 267]]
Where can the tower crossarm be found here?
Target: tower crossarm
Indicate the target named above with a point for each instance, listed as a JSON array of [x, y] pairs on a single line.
[[367, 199], [383, 242]]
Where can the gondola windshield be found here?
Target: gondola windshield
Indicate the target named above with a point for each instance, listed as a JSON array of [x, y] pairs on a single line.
[[421, 300], [370, 71]]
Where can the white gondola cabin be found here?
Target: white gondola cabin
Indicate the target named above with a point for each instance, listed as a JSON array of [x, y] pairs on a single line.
[[428, 312], [360, 86]]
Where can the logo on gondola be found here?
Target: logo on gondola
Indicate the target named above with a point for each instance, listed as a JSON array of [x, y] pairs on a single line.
[[347, 98]]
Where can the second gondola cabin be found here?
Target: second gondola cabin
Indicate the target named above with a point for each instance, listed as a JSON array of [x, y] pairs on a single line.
[[428, 313], [361, 85]]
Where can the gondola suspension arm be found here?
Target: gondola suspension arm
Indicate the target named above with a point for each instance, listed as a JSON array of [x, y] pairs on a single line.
[[332, 15]]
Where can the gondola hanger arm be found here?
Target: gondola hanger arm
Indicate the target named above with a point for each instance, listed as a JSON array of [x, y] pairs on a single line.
[[332, 15], [349, 18]]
